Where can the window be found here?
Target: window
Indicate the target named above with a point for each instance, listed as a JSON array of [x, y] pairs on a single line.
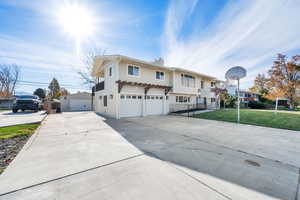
[[110, 71], [183, 99], [157, 97], [139, 97], [111, 96], [133, 70], [180, 99], [212, 84], [105, 101], [160, 75], [128, 97], [160, 97], [152, 97], [100, 97], [122, 96], [133, 97], [212, 100], [202, 84], [148, 97], [187, 80], [167, 97]]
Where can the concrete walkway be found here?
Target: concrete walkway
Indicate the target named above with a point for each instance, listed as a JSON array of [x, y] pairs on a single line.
[[78, 156]]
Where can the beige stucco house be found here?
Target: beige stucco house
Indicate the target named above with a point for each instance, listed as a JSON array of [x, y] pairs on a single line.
[[128, 87]]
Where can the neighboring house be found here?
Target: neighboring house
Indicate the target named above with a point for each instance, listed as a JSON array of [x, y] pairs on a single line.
[[247, 96], [128, 87], [6, 102], [76, 102]]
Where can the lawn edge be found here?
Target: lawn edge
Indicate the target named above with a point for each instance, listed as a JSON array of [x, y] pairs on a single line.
[[24, 148], [245, 124]]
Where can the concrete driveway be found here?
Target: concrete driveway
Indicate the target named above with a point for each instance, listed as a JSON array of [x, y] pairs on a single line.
[[84, 156], [238, 161], [8, 118]]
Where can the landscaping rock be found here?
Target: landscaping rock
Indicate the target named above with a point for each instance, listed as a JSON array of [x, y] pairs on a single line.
[[9, 148]]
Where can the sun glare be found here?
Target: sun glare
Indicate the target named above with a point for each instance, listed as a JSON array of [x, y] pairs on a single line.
[[77, 21]]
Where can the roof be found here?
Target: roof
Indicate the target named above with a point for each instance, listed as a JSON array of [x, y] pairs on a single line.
[[121, 57]]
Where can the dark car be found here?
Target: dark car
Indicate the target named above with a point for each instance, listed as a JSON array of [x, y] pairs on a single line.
[[26, 102]]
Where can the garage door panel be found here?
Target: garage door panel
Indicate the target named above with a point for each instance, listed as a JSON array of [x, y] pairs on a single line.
[[154, 105], [131, 106], [80, 105]]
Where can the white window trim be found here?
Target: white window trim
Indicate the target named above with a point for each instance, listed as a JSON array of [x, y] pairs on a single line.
[[134, 75], [163, 76]]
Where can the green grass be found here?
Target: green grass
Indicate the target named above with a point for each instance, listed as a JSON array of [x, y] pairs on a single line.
[[18, 130], [283, 120]]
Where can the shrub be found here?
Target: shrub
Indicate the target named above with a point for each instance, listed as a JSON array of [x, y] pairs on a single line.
[[256, 105], [230, 102]]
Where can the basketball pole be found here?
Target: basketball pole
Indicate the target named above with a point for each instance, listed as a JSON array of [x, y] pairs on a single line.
[[238, 94]]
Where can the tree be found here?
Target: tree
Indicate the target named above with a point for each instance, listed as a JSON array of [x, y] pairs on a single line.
[[230, 101], [86, 72], [9, 77], [54, 89], [260, 85], [40, 93], [285, 78], [64, 92]]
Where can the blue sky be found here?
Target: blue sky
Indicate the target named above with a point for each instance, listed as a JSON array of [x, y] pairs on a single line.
[[207, 36]]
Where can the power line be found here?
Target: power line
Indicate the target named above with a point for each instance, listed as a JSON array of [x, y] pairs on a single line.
[[43, 84]]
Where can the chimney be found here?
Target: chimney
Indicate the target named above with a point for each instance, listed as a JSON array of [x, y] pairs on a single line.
[[159, 61]]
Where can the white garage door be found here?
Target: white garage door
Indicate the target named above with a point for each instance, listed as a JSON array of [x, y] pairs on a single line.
[[80, 105], [154, 105], [131, 105]]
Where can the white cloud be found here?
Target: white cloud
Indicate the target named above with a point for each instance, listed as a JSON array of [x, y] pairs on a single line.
[[14, 50], [246, 33]]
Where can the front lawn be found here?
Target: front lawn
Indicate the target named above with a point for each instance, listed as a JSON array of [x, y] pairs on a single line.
[[18, 130], [284, 120], [12, 139]]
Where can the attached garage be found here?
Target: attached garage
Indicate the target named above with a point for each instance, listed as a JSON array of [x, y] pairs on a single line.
[[76, 102], [131, 105], [154, 105]]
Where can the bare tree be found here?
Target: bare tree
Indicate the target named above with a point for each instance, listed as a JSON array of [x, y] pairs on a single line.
[[88, 61], [9, 76]]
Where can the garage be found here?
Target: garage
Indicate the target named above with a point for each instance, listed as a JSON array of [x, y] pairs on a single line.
[[76, 102], [131, 105], [80, 105], [154, 105]]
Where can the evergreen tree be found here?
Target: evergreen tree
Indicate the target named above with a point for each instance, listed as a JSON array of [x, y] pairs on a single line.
[[54, 89]]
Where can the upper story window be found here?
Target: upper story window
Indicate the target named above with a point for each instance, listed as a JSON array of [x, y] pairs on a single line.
[[202, 84], [160, 75], [187, 80], [110, 71], [212, 84], [133, 70]]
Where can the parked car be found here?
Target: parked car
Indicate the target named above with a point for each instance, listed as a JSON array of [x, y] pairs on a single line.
[[26, 102]]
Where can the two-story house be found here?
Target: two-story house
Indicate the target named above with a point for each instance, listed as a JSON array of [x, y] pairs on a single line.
[[128, 87]]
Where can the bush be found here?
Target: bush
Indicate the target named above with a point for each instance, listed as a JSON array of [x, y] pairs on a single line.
[[256, 105], [230, 102], [260, 105]]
